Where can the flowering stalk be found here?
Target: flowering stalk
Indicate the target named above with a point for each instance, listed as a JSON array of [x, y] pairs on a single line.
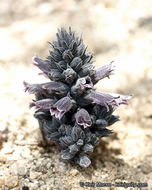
[[69, 110]]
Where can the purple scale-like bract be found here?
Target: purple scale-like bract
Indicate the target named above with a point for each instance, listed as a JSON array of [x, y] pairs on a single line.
[[69, 110]]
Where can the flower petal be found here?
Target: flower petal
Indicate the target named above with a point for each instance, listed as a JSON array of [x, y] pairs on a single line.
[[83, 118], [54, 111], [88, 82]]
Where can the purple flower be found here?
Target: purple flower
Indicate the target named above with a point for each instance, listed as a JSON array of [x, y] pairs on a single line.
[[61, 107], [59, 87], [41, 64], [44, 104], [83, 118], [104, 71], [86, 82], [53, 85], [82, 84], [69, 74], [109, 99], [33, 88]]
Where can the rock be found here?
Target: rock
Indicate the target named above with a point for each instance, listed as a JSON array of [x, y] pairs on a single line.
[[25, 188], [40, 183], [74, 172], [48, 165], [21, 171], [34, 175], [11, 181], [146, 168]]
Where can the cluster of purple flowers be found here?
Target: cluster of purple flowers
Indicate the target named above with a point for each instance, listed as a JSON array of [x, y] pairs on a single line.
[[69, 110]]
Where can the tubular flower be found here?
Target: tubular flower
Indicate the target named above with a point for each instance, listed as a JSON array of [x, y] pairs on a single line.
[[81, 85], [108, 99], [103, 71], [33, 88], [61, 107], [69, 111], [83, 118], [44, 104], [41, 64]]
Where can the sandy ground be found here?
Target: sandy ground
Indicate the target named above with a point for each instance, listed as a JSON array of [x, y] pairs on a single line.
[[113, 30]]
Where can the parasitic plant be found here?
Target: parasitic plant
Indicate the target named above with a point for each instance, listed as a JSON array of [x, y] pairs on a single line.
[[69, 110]]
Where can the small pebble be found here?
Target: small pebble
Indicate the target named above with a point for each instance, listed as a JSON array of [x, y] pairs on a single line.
[[34, 175], [33, 186], [41, 182], [21, 171], [74, 172], [146, 168], [3, 159], [48, 165], [46, 155], [44, 172], [25, 188], [11, 181]]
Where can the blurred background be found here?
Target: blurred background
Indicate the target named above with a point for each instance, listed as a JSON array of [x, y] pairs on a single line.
[[114, 30]]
